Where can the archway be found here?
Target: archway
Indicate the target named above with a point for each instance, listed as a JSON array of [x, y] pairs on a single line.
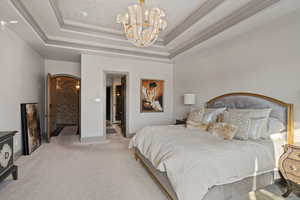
[[63, 103]]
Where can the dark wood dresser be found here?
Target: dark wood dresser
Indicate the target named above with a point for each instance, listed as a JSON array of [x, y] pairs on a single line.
[[7, 166]]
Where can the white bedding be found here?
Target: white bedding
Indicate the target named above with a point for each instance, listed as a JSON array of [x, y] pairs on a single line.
[[195, 160]]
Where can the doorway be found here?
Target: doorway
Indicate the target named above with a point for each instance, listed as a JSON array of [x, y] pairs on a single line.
[[116, 95], [63, 105]]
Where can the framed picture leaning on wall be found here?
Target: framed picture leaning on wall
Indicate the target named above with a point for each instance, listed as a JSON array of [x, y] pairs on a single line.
[[31, 132], [152, 95]]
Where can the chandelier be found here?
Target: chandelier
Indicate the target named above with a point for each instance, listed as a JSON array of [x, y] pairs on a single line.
[[141, 25]]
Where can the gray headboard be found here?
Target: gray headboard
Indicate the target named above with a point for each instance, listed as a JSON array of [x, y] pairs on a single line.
[[280, 110]]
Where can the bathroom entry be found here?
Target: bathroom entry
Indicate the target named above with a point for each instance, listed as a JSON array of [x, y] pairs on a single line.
[[116, 85]]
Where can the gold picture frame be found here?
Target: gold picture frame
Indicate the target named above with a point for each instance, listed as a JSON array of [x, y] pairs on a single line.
[[151, 96]]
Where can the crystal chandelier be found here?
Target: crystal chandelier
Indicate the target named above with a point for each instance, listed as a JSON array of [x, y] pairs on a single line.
[[141, 25]]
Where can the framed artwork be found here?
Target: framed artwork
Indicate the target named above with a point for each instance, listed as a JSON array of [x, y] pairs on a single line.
[[31, 132], [152, 95]]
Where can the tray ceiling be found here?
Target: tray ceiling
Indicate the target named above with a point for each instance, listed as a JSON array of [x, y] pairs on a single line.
[[89, 25], [103, 13]]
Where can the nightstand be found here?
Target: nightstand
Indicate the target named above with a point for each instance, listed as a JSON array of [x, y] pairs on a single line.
[[289, 166], [180, 122], [7, 166]]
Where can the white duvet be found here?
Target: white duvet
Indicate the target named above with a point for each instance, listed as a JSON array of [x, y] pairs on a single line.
[[196, 160]]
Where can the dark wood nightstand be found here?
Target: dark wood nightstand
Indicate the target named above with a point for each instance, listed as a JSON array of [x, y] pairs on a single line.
[[289, 165], [180, 122]]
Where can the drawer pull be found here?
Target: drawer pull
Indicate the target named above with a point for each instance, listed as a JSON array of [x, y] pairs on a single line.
[[293, 168]]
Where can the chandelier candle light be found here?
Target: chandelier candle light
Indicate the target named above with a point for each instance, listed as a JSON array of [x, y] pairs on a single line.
[[141, 25]]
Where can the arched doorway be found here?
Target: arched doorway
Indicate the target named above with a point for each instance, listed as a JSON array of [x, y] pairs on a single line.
[[63, 104]]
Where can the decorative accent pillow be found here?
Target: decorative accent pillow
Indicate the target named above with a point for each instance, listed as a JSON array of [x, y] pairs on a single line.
[[194, 120], [252, 123], [224, 130], [211, 115], [239, 119], [196, 126]]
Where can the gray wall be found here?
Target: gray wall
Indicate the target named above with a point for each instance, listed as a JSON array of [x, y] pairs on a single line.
[[265, 61], [21, 81]]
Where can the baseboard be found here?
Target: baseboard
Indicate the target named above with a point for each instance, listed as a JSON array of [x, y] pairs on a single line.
[[130, 135], [96, 139], [17, 155]]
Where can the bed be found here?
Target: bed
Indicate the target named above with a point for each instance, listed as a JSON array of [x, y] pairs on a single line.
[[188, 165]]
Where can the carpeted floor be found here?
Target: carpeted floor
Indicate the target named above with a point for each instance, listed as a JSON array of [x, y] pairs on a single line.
[[68, 170]]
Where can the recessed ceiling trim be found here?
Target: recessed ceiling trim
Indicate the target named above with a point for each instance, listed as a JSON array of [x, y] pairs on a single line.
[[96, 49], [61, 21], [69, 25], [29, 19], [241, 14], [207, 7], [71, 45]]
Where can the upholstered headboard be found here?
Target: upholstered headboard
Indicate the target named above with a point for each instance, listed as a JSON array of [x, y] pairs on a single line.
[[280, 110]]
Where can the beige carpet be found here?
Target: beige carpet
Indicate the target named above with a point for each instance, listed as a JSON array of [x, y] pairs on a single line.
[[68, 170]]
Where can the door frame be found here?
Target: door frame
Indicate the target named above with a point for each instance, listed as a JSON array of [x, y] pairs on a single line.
[[48, 107], [110, 102], [127, 75], [48, 98]]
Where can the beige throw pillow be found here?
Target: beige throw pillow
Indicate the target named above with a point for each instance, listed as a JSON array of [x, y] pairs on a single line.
[[194, 120], [202, 118], [224, 130]]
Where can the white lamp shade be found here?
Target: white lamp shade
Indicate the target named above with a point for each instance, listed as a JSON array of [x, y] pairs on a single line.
[[189, 99]]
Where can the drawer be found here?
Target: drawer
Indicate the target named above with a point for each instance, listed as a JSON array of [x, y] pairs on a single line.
[[293, 178], [7, 159], [292, 167], [295, 154]]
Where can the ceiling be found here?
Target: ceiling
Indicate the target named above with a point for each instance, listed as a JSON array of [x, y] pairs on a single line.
[[63, 29], [103, 14]]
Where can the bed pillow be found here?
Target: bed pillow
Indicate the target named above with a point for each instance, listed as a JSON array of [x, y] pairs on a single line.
[[257, 127], [224, 130], [239, 119], [274, 126], [259, 123], [211, 115], [251, 123], [194, 120]]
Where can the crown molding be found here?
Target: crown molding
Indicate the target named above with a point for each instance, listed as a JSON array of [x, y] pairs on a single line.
[[241, 14], [244, 12], [29, 19], [207, 7], [19, 6], [71, 24], [97, 49], [88, 29]]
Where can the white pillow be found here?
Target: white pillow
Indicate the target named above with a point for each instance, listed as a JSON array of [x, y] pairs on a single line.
[[211, 115], [252, 123], [257, 127], [275, 126]]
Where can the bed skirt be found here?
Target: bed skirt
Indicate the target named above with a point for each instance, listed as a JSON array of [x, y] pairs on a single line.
[[233, 191]]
